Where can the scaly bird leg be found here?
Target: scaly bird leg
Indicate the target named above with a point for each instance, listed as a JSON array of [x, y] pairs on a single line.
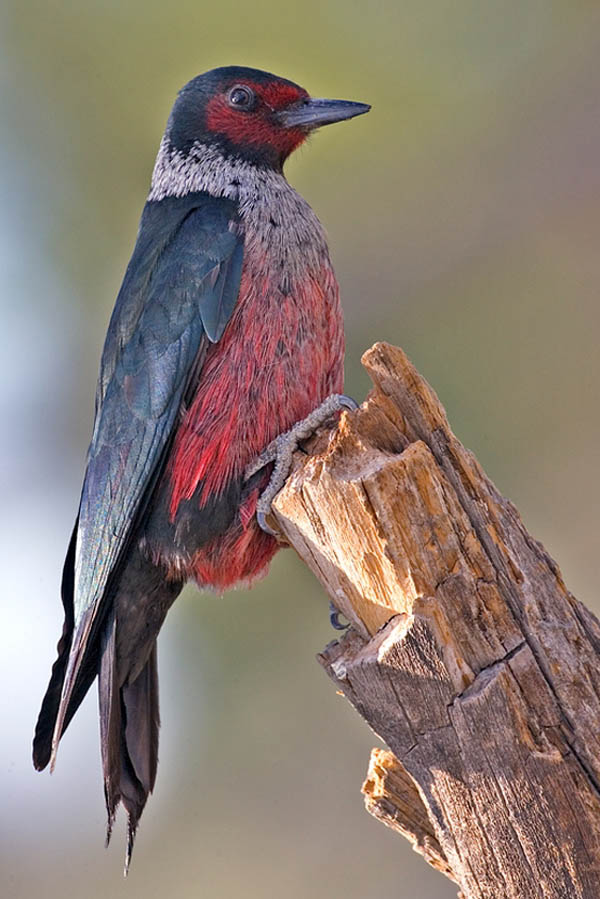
[[281, 450]]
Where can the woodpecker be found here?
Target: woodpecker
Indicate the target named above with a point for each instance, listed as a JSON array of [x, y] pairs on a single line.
[[227, 331]]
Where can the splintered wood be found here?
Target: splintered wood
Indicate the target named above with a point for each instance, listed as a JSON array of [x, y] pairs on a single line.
[[467, 655]]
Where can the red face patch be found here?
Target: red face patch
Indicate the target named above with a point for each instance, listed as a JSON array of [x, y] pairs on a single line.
[[257, 126], [278, 96]]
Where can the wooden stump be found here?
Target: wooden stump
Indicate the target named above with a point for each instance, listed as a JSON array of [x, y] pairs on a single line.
[[467, 655]]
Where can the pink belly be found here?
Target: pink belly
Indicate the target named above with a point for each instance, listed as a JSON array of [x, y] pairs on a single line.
[[279, 357]]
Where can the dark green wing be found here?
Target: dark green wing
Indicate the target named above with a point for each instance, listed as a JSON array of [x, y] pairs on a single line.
[[178, 294]]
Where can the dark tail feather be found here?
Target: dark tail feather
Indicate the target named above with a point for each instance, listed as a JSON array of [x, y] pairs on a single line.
[[129, 725], [142, 723], [109, 701], [42, 741]]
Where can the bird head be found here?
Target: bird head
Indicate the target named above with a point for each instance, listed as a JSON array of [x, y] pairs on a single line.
[[250, 114]]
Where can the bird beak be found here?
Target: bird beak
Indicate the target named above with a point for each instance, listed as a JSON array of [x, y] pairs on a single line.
[[312, 113]]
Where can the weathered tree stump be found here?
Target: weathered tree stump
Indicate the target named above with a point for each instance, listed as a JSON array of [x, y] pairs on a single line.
[[466, 653]]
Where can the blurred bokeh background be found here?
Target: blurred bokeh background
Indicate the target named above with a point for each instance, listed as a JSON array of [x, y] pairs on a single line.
[[464, 220]]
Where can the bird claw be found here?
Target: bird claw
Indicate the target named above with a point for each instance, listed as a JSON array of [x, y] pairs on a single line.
[[281, 450], [261, 517], [334, 617]]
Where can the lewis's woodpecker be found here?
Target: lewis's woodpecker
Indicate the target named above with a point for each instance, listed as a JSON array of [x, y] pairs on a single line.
[[226, 331]]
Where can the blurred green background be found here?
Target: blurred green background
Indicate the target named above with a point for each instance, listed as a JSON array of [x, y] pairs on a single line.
[[464, 217]]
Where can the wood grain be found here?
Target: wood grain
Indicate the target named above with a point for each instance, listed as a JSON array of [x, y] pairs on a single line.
[[467, 655]]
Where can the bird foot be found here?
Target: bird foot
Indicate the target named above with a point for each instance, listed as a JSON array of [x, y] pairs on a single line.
[[334, 617], [281, 450]]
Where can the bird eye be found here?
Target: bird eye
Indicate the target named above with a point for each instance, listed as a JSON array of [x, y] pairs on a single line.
[[241, 97]]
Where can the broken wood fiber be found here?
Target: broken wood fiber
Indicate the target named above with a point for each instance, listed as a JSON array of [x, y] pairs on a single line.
[[466, 653]]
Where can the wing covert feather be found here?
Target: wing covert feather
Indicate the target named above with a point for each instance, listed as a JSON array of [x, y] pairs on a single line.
[[179, 292]]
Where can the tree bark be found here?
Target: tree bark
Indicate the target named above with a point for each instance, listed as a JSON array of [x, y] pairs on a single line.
[[466, 653]]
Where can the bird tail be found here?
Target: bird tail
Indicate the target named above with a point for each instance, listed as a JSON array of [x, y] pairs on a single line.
[[129, 726], [46, 723], [122, 653]]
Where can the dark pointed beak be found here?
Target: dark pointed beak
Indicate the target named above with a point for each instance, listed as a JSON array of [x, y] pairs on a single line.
[[312, 113]]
